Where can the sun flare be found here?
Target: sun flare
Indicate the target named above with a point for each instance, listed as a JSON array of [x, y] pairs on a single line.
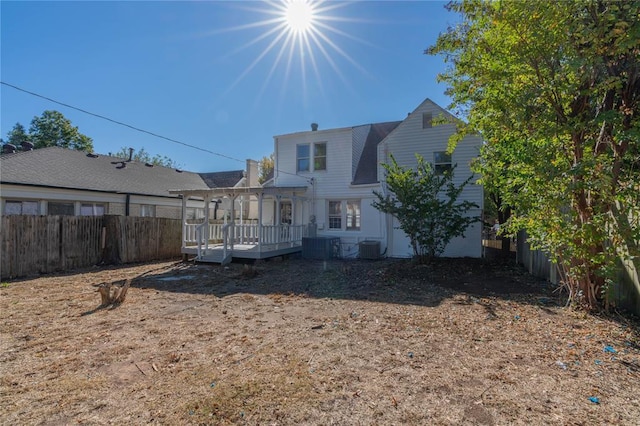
[[298, 32], [299, 16]]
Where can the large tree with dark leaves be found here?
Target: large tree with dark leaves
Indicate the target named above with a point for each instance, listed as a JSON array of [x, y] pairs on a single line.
[[54, 129], [554, 90]]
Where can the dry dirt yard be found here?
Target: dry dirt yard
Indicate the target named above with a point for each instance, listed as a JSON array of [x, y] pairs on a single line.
[[304, 342]]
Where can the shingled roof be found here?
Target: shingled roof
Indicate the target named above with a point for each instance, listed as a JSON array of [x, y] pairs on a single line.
[[222, 179], [56, 167], [366, 172]]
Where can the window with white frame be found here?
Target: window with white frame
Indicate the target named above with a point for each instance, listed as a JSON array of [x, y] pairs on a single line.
[[305, 161], [147, 210], [320, 156], [344, 215], [441, 162], [92, 209], [302, 158], [56, 208], [353, 215], [15, 207], [335, 214], [285, 212]]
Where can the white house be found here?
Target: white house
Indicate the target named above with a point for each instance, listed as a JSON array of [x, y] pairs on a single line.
[[417, 135], [341, 169], [323, 185]]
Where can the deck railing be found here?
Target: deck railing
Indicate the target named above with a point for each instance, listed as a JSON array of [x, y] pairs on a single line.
[[269, 234], [191, 236], [246, 234], [225, 240]]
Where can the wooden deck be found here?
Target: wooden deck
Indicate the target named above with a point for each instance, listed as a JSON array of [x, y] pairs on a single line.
[[214, 252], [243, 241]]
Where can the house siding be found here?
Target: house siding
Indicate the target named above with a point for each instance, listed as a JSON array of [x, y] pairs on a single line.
[[332, 184], [115, 204], [344, 150], [409, 139]]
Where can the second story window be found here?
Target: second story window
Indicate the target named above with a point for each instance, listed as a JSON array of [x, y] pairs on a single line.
[[441, 162], [320, 156], [302, 158]]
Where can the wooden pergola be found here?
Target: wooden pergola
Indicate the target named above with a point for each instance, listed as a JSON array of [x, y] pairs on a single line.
[[220, 242]]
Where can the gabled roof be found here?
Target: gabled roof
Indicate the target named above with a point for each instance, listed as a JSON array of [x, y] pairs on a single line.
[[367, 170], [222, 179], [56, 167]]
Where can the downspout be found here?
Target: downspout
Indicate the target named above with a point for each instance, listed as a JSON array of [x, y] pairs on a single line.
[[127, 203], [388, 219], [260, 200]]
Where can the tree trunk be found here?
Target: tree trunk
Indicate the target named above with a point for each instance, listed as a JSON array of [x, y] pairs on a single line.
[[111, 250], [506, 246]]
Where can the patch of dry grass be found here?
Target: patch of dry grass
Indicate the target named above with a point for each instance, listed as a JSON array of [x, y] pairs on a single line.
[[294, 343]]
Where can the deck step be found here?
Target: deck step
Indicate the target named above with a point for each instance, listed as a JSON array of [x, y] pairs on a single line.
[[216, 256]]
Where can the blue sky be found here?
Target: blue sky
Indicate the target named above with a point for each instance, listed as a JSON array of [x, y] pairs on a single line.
[[202, 72]]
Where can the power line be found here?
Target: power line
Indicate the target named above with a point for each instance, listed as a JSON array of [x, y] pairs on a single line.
[[121, 123], [130, 126]]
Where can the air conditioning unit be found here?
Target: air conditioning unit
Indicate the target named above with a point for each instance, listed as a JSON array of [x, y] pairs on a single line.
[[322, 248], [369, 250]]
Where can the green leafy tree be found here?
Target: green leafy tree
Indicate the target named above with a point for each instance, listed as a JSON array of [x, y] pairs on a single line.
[[495, 206], [17, 135], [54, 129], [265, 168], [143, 156], [554, 91], [426, 206]]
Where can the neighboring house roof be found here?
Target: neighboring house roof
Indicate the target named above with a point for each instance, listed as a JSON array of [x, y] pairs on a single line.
[[222, 179], [65, 168], [366, 172]]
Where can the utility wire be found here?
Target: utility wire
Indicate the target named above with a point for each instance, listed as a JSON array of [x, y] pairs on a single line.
[[120, 122], [132, 127]]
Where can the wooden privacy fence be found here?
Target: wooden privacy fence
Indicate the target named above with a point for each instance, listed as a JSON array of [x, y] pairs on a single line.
[[42, 244], [624, 292], [141, 239], [45, 244]]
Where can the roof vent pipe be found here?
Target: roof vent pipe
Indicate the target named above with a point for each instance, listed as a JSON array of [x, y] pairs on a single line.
[[8, 148], [314, 127], [130, 154]]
